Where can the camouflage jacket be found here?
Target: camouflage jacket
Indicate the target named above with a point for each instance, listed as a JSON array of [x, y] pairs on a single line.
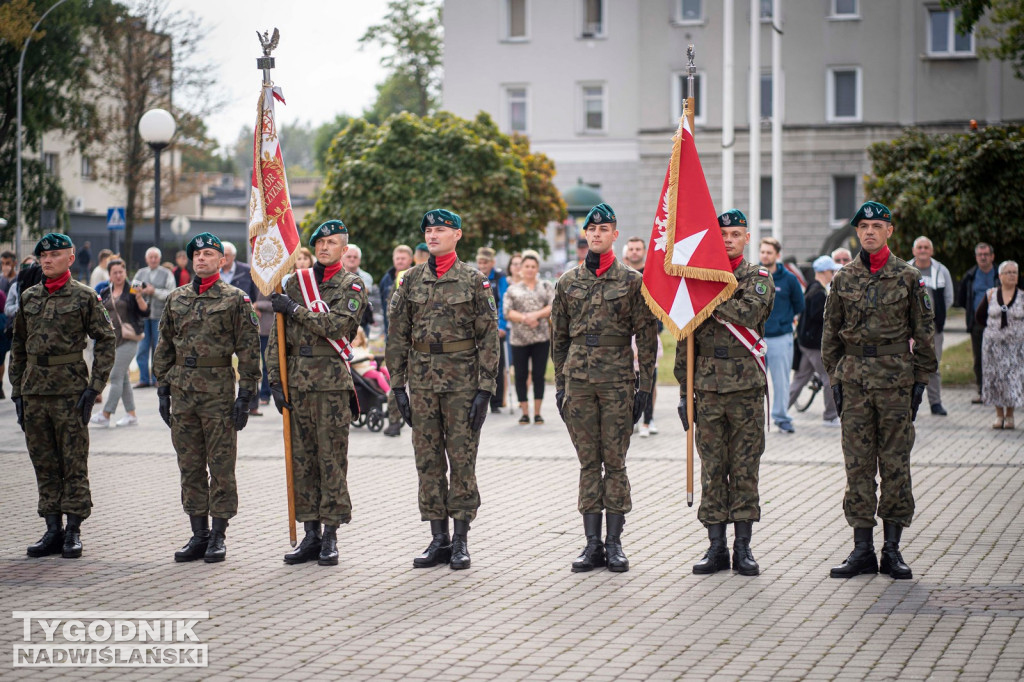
[[750, 306], [424, 309], [58, 324], [890, 306], [345, 296], [215, 324], [609, 305]]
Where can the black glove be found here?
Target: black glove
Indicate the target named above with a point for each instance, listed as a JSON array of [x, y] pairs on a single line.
[[478, 410], [283, 304], [640, 401], [240, 410], [19, 408], [837, 396], [280, 402], [402, 400], [681, 409], [85, 404], [559, 401], [163, 394], [915, 399]]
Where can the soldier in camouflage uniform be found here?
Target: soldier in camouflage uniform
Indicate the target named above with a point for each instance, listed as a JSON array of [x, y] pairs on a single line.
[[598, 307], [205, 322], [443, 344], [729, 405], [876, 306], [53, 393], [319, 391]]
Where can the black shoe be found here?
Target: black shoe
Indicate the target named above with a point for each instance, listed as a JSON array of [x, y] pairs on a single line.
[[196, 546], [329, 547], [460, 546], [892, 560], [52, 541], [439, 551], [393, 429], [593, 554], [309, 547], [495, 409], [717, 557], [72, 548], [742, 558], [939, 410], [862, 559], [617, 561], [216, 550]]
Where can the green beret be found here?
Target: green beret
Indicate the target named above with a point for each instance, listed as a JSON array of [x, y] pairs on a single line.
[[872, 210], [602, 213], [325, 229], [204, 240], [55, 241], [732, 217], [441, 218], [422, 246]]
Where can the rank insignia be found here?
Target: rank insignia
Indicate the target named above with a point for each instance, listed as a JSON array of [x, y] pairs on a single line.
[[761, 288], [353, 304]]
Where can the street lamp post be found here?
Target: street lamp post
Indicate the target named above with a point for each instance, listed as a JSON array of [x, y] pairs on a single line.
[[157, 128]]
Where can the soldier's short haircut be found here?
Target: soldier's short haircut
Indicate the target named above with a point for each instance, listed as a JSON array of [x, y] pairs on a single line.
[[772, 242], [403, 248], [983, 245]]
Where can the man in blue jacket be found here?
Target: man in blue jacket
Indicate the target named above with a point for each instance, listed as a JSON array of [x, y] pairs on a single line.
[[778, 330], [499, 284]]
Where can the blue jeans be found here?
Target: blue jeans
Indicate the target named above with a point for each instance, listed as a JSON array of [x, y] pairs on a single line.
[[147, 347], [780, 365]]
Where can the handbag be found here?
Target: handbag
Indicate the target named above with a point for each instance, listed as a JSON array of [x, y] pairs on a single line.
[[128, 332]]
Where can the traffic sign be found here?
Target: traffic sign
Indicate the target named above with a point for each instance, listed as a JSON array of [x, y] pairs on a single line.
[[115, 218], [180, 225]]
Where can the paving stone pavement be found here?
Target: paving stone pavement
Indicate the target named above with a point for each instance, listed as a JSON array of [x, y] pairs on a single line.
[[519, 613]]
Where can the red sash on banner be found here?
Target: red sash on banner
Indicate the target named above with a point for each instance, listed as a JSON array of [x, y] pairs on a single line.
[[315, 304]]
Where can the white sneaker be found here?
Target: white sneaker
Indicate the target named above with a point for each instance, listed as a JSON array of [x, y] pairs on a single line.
[[653, 428], [128, 420], [644, 431], [833, 423], [100, 421]]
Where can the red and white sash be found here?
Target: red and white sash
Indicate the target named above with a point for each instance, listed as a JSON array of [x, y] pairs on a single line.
[[757, 347], [315, 304]]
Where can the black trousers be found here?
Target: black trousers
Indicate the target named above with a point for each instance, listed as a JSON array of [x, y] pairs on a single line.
[[976, 333], [499, 389], [522, 357]]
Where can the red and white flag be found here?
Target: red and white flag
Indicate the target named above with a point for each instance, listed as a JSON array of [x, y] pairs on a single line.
[[272, 231], [687, 272]]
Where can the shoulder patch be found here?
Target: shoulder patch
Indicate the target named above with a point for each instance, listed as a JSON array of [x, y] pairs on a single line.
[[356, 286], [920, 282], [762, 272], [246, 297], [761, 288], [487, 285]]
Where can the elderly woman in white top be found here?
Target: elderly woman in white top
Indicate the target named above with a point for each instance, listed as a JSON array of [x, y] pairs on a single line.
[[1001, 313]]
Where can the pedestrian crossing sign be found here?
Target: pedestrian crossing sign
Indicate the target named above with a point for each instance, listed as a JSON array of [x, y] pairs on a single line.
[[115, 218]]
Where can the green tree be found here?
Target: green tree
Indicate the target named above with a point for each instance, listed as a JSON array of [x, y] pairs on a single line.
[[1004, 29], [382, 179], [396, 94], [956, 189], [413, 39], [323, 138]]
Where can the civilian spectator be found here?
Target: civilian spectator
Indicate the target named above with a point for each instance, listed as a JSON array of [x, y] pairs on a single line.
[[29, 275], [808, 337], [157, 285], [8, 270], [778, 330], [303, 261], [182, 273], [5, 340], [1001, 315], [351, 262], [83, 258], [512, 274], [527, 307], [842, 256], [634, 253], [499, 284], [421, 255], [99, 273], [364, 365], [969, 295], [939, 284], [401, 260]]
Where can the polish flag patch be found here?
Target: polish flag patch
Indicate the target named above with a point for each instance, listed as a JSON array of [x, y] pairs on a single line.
[[487, 285]]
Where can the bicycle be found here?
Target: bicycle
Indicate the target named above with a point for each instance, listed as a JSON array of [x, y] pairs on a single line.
[[814, 386]]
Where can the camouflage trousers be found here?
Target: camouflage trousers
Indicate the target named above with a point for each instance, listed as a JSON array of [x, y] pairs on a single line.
[[58, 445], [394, 415], [440, 426], [320, 423], [730, 442], [878, 436], [204, 437], [600, 422]]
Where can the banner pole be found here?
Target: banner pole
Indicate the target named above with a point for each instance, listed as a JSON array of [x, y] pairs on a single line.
[[690, 349], [282, 362]]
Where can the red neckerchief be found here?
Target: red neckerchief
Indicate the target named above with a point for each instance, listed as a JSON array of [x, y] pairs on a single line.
[[52, 285], [735, 262], [443, 264], [879, 259], [607, 258], [331, 271], [207, 282]]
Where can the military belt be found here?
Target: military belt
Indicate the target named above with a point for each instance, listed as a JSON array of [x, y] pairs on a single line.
[[313, 352], [192, 362], [600, 340], [449, 347], [51, 360], [722, 352], [875, 351]]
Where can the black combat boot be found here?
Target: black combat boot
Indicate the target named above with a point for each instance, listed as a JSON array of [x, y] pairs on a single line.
[[460, 546], [593, 554], [742, 558], [393, 429], [862, 559], [892, 560], [195, 548], [309, 547], [717, 556], [617, 561], [52, 541], [72, 542], [439, 551], [216, 550], [329, 547]]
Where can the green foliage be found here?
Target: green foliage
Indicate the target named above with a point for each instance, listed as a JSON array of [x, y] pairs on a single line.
[[37, 184], [1004, 31], [956, 189], [398, 93], [325, 134], [382, 179]]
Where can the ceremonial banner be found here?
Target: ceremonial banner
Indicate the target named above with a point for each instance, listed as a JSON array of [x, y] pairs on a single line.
[[687, 272], [272, 231]]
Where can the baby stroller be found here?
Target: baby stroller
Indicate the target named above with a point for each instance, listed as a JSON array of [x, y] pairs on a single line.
[[372, 403]]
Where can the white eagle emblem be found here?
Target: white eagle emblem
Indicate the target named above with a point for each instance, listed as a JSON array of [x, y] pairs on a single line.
[[726, 219], [430, 218], [868, 212]]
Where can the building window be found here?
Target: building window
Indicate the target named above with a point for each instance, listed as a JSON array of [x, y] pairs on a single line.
[[690, 11], [516, 98], [766, 96], [515, 20], [766, 198], [51, 161], [766, 10], [844, 196], [844, 9], [593, 19], [594, 119], [943, 39], [679, 94], [87, 168], [843, 92]]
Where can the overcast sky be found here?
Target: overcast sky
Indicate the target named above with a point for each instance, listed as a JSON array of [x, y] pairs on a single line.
[[318, 61]]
